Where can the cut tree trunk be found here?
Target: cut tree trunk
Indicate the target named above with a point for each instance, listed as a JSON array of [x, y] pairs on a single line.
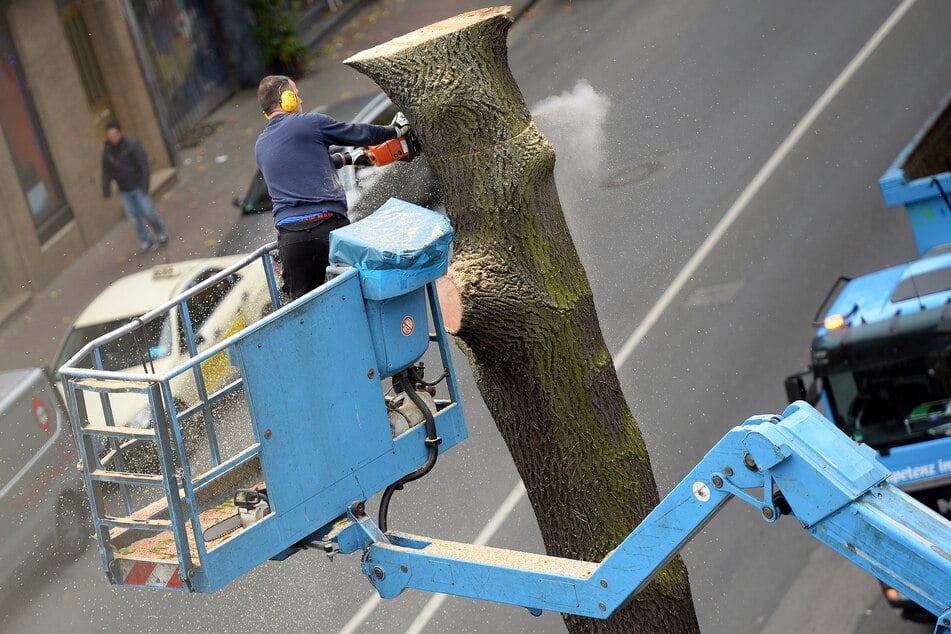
[[524, 311]]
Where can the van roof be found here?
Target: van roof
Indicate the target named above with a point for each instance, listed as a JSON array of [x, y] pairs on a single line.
[[140, 292]]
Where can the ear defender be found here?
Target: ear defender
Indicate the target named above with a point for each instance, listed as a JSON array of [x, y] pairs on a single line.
[[288, 101]]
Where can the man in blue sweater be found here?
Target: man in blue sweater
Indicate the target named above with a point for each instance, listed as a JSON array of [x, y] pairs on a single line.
[[309, 201]]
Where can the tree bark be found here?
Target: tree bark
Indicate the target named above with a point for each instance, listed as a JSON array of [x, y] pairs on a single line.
[[526, 316]]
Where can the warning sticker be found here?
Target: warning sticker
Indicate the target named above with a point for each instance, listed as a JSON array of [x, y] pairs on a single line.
[[41, 414], [408, 325]]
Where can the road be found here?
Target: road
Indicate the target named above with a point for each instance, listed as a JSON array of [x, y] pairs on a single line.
[[690, 105]]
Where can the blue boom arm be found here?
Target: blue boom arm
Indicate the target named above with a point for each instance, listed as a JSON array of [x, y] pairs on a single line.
[[797, 464]]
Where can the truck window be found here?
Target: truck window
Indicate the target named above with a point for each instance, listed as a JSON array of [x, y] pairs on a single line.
[[894, 401], [937, 281]]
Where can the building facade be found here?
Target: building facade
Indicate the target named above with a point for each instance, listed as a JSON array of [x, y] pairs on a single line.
[[68, 67]]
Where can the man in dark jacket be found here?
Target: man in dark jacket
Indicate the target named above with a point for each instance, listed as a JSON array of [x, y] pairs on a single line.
[[309, 201], [124, 161]]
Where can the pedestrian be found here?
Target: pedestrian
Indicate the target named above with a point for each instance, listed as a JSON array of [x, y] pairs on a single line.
[[293, 154], [125, 162]]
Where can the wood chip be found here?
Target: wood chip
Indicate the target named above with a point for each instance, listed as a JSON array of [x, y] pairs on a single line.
[[161, 546], [512, 559]]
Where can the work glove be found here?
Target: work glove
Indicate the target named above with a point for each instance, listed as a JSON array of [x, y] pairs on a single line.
[[401, 124], [359, 157]]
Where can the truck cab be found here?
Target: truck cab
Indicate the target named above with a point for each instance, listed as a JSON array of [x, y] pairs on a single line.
[[883, 356]]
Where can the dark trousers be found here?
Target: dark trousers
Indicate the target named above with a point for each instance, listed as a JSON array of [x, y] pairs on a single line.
[[305, 251]]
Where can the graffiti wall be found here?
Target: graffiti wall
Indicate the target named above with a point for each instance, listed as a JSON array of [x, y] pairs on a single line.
[[187, 69]]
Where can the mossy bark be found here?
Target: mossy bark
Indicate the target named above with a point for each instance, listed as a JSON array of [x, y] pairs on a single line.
[[527, 318]]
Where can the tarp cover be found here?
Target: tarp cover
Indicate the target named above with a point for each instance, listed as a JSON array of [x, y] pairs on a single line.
[[397, 248]]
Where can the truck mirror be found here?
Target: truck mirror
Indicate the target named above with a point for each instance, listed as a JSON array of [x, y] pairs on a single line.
[[795, 388]]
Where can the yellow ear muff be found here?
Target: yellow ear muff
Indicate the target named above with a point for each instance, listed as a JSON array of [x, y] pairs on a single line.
[[288, 101]]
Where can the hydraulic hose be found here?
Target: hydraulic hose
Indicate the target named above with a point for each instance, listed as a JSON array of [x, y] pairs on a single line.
[[408, 380]]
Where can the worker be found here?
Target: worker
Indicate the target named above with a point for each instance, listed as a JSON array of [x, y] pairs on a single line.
[[293, 154]]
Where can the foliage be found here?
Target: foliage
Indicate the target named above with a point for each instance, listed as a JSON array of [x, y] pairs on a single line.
[[282, 50]]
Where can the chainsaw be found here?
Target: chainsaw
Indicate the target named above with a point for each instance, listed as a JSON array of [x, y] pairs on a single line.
[[252, 506], [404, 147]]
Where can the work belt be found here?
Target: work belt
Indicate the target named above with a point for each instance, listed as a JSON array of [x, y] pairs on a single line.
[[307, 218]]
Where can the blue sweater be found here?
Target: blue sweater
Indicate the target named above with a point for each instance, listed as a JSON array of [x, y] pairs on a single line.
[[292, 153]]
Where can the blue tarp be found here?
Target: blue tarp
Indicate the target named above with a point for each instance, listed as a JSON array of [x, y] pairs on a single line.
[[398, 248]]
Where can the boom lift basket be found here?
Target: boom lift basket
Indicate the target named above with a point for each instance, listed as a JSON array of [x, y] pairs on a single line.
[[304, 426]]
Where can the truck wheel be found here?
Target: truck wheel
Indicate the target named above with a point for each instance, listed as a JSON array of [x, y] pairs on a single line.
[[73, 521]]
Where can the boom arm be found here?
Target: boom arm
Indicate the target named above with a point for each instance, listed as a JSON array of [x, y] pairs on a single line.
[[799, 463]]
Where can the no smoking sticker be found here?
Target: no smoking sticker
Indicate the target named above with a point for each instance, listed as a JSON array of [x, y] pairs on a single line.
[[42, 416], [408, 325]]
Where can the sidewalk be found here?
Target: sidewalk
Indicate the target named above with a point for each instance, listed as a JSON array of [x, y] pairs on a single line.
[[197, 208]]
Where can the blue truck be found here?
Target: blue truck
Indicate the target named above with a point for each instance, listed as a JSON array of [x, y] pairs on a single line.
[[881, 358]]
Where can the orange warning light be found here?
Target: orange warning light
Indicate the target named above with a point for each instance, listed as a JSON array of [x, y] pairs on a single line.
[[833, 322]]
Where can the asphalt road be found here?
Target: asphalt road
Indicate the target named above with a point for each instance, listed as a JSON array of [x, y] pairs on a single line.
[[686, 105]]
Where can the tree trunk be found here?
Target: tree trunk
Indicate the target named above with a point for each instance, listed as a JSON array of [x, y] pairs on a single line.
[[525, 313]]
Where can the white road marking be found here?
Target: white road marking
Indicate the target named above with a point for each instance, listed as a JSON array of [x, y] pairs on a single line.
[[757, 183], [432, 606]]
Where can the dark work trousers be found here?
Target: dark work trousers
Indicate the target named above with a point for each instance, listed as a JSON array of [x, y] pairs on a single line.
[[304, 248]]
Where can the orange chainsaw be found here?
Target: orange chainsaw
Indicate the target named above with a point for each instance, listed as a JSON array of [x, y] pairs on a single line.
[[404, 147]]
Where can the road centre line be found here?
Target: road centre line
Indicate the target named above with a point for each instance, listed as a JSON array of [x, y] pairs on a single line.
[[689, 269], [756, 184]]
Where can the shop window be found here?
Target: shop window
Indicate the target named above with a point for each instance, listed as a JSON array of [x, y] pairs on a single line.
[[24, 138]]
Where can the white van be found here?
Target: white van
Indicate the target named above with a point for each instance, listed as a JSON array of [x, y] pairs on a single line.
[[43, 510]]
